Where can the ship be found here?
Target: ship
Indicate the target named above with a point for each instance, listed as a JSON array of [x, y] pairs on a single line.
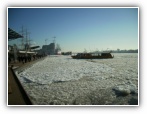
[[104, 55]]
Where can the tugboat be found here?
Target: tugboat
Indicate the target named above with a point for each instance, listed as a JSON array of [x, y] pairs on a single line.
[[92, 56]]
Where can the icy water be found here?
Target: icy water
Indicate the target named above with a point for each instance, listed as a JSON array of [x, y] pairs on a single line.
[[61, 80]]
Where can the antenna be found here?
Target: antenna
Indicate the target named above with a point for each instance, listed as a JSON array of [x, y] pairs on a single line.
[[46, 41]]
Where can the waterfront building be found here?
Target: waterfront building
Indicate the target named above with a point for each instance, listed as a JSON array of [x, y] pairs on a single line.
[[48, 49]]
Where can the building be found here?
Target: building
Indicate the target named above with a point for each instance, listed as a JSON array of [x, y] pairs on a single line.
[[48, 49]]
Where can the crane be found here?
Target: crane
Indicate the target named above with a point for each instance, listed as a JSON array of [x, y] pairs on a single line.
[[54, 39]]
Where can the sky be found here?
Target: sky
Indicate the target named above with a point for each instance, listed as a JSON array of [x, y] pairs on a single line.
[[78, 29]]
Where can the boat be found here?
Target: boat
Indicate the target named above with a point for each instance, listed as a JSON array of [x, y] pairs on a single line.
[[92, 56]]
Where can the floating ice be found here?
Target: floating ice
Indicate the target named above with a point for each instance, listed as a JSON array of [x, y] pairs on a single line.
[[63, 69], [62, 80]]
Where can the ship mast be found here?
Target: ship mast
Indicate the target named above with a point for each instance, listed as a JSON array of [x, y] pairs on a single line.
[[22, 41], [27, 45]]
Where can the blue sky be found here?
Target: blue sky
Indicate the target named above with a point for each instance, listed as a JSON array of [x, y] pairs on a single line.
[[77, 29]]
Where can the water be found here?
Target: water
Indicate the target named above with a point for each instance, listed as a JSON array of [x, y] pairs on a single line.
[[62, 80]]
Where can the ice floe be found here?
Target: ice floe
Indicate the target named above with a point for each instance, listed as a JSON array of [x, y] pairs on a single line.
[[63, 80]]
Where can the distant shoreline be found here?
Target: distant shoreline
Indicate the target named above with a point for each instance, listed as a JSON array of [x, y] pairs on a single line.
[[124, 52]]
